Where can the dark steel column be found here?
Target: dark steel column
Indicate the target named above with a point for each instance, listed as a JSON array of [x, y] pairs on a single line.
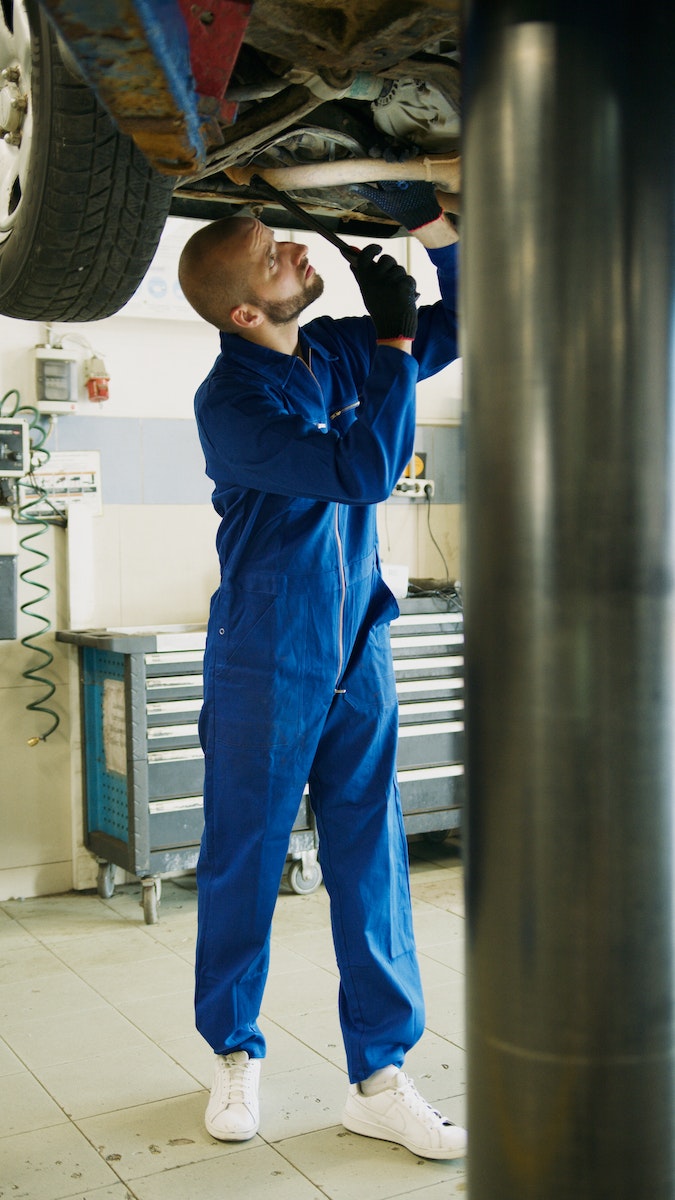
[[568, 264]]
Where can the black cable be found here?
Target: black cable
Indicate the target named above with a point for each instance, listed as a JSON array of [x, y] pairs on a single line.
[[431, 535], [427, 589]]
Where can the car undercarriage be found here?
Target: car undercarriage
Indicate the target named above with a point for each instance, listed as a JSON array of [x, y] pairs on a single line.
[[118, 113]]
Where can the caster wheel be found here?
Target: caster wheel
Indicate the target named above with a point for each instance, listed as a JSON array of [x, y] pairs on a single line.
[[105, 883], [304, 883], [151, 892]]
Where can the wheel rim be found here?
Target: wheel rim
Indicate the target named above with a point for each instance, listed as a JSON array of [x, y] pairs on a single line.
[[16, 111], [301, 884]]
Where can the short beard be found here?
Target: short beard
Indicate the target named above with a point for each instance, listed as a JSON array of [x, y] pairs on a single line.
[[282, 312]]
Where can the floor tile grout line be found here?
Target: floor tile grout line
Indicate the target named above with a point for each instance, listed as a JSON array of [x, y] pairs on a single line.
[[345, 1132], [166, 949], [123, 1016], [241, 1148], [69, 1117]]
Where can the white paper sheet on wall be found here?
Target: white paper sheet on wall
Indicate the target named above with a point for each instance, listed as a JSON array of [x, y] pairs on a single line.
[[114, 726]]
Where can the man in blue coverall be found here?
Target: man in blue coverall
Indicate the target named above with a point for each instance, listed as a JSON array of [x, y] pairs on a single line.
[[304, 431]]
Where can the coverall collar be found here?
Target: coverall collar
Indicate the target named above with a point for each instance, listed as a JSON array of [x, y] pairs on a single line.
[[271, 363]]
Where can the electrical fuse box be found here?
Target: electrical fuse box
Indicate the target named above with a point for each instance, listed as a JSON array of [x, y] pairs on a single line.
[[55, 380]]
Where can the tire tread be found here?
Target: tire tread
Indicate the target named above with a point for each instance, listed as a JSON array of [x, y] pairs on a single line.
[[103, 211]]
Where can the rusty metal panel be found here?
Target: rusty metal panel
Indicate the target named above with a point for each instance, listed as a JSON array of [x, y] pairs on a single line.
[[135, 55]]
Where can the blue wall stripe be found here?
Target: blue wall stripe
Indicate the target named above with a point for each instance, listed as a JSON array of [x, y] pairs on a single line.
[[160, 461], [156, 461]]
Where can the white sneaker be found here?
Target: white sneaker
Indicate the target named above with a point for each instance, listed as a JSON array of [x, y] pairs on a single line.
[[233, 1112], [399, 1114]]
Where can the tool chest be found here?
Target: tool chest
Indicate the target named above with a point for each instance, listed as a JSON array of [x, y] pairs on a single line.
[[428, 649], [141, 694]]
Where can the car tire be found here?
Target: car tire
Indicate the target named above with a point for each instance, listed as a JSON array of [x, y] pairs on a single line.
[[81, 209]]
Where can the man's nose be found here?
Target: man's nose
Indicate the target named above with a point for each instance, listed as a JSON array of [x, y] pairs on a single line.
[[298, 252]]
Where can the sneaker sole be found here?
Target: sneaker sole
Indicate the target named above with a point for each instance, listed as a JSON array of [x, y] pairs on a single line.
[[354, 1125], [229, 1137]]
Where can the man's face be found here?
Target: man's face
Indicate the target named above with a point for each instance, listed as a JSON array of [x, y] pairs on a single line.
[[280, 280]]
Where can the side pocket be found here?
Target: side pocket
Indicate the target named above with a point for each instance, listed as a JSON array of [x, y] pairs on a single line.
[[370, 682], [259, 670]]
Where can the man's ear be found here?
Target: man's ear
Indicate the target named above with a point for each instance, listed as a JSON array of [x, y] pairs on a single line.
[[246, 316]]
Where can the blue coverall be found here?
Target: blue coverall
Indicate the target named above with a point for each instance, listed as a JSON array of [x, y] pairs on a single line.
[[298, 675]]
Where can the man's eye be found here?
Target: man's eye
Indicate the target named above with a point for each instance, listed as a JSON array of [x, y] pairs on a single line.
[[272, 260]]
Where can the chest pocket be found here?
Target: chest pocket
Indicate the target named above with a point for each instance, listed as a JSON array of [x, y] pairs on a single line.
[[304, 397], [344, 416]]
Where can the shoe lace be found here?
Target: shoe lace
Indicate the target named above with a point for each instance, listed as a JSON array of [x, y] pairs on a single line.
[[417, 1105], [236, 1080]]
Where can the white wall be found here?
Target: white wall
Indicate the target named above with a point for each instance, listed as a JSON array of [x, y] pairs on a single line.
[[139, 564]]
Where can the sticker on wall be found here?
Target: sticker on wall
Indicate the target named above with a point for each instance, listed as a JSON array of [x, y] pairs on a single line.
[[114, 727], [69, 477]]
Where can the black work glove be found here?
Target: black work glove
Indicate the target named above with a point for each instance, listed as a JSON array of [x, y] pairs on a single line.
[[412, 204], [388, 293]]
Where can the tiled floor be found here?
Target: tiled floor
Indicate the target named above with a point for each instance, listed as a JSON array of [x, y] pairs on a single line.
[[103, 1078]]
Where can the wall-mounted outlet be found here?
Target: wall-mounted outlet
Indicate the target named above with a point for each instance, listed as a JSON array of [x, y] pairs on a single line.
[[414, 489]]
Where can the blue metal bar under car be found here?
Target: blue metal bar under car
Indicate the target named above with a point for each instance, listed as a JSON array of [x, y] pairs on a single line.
[[135, 54]]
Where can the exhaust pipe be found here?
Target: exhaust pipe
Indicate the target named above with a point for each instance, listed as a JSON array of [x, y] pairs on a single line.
[[442, 170]]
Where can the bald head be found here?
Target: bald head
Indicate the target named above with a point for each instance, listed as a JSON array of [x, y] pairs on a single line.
[[213, 269], [239, 278]]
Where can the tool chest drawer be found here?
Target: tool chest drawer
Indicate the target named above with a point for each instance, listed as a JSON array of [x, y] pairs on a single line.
[[427, 643]]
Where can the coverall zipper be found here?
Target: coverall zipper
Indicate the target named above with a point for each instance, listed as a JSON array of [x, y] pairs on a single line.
[[343, 596], [347, 408], [338, 538]]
